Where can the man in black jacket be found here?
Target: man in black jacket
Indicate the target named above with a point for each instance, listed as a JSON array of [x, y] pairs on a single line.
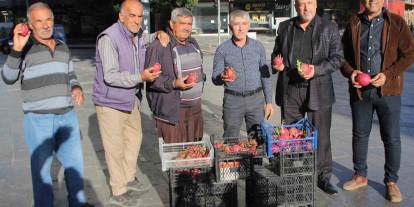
[[316, 43]]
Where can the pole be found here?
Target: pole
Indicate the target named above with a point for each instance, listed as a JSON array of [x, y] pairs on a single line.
[[218, 21], [386, 4]]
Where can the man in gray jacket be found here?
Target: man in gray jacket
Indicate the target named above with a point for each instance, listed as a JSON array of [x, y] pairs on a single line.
[[243, 94]]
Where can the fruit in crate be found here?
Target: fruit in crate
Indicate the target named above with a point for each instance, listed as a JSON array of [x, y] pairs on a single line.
[[192, 152], [243, 146]]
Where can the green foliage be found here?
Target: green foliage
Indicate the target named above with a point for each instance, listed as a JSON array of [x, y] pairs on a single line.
[[162, 5]]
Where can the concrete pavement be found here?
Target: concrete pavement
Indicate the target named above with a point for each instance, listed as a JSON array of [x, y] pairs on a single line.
[[15, 182]]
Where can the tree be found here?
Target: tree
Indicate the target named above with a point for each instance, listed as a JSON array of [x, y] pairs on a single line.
[[163, 5]]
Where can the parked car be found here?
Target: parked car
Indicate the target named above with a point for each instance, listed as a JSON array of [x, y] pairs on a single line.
[[7, 43]]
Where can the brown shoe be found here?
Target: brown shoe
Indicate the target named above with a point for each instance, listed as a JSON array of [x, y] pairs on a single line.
[[393, 192], [356, 182]]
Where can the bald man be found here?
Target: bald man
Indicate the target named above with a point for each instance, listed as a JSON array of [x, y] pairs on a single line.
[[120, 75]]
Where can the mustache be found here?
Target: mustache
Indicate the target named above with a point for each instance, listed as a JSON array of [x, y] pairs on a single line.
[[186, 30]]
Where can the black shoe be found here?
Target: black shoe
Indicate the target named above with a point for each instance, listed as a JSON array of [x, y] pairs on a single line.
[[87, 205], [327, 187]]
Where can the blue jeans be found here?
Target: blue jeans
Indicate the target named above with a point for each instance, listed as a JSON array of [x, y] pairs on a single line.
[[45, 135], [388, 111]]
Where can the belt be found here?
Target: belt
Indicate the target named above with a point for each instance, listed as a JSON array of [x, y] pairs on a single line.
[[300, 84], [244, 94]]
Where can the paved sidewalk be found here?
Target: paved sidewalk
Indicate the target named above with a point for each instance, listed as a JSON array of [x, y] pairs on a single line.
[[15, 181]]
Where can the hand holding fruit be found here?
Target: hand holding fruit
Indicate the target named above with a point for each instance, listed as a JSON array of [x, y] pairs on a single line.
[[183, 84], [354, 82], [379, 80], [229, 74], [278, 63], [192, 78], [307, 71], [151, 73], [21, 34]]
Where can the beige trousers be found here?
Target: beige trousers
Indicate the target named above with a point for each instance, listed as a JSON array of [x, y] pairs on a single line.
[[121, 137]]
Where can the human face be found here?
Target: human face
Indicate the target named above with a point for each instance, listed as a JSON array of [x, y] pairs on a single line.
[[239, 27], [306, 9], [131, 16], [41, 23], [182, 27], [373, 6]]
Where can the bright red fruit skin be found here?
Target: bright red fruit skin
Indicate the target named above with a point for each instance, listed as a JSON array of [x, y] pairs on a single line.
[[363, 79]]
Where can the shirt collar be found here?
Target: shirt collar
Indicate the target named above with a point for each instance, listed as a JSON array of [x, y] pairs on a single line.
[[247, 41], [310, 26], [364, 16]]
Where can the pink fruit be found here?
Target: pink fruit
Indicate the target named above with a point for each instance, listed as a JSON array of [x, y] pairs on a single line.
[[192, 78], [156, 67], [363, 79], [303, 68], [25, 30], [236, 148], [278, 61], [230, 73]]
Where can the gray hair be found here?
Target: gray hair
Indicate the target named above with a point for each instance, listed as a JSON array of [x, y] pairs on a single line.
[[180, 12], [37, 5], [239, 13]]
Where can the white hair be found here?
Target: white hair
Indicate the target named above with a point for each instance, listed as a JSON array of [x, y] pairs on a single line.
[[37, 5], [239, 13], [180, 12]]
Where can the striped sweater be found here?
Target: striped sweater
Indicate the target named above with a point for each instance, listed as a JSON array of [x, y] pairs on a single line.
[[47, 77]]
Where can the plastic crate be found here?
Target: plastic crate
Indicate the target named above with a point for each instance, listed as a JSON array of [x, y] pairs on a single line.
[[230, 142], [222, 194], [230, 169], [189, 186], [266, 188], [297, 190], [168, 153], [294, 163], [309, 143], [187, 190]]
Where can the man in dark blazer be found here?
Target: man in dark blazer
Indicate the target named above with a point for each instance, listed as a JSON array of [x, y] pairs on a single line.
[[316, 43]]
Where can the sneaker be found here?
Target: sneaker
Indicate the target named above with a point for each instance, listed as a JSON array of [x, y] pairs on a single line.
[[356, 182], [136, 185], [393, 192], [129, 198]]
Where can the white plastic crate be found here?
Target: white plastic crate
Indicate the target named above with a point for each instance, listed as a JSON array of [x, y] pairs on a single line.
[[168, 153]]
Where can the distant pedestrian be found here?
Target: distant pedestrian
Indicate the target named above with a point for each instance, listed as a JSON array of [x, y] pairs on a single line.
[[378, 43], [49, 87]]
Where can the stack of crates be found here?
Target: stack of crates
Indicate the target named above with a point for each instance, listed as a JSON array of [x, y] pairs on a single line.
[[192, 181], [196, 187], [289, 180]]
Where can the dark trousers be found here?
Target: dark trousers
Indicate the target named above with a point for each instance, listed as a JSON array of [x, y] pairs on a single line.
[[239, 108], [296, 109], [388, 111]]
